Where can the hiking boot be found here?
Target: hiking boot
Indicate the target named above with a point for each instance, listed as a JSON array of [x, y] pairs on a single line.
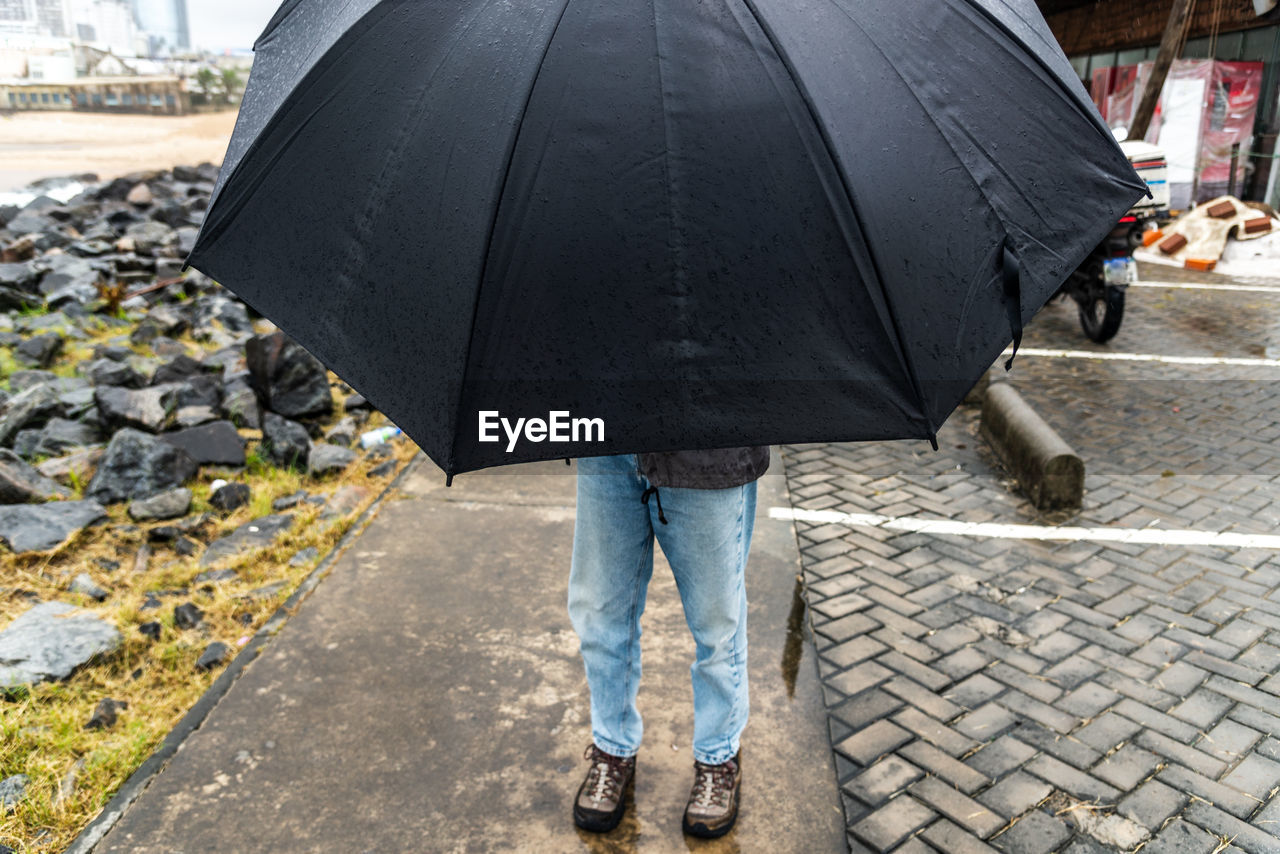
[[713, 801], [601, 799]]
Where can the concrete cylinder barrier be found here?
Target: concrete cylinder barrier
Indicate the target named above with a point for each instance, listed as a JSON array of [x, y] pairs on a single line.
[[1048, 471]]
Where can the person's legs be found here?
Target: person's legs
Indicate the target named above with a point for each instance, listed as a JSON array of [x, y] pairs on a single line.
[[706, 542], [608, 579]]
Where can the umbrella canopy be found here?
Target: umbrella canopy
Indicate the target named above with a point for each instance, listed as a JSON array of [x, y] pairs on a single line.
[[690, 225]]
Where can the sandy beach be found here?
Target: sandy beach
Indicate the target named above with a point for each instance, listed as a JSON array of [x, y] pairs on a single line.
[[39, 145]]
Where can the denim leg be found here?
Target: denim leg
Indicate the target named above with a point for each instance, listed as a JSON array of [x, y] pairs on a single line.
[[608, 579], [706, 541]]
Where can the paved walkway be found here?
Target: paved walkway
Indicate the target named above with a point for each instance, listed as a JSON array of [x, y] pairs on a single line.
[[427, 696], [1025, 695]]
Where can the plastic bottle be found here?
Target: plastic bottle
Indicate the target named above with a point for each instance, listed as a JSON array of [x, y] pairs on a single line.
[[377, 437]]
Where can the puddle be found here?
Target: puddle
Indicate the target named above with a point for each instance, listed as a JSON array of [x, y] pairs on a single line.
[[793, 647]]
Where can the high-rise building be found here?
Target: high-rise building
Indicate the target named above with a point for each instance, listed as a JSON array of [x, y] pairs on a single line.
[[105, 24], [36, 18], [165, 24]]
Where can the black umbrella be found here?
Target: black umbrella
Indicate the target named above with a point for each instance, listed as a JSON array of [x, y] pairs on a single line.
[[659, 224]]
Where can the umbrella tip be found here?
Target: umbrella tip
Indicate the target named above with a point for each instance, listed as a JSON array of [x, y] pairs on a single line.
[[933, 440], [448, 480]]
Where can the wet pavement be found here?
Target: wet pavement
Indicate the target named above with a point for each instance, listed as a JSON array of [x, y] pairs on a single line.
[[997, 689], [427, 696]]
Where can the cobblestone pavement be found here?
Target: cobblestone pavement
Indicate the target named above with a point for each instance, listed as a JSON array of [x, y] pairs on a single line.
[[994, 693]]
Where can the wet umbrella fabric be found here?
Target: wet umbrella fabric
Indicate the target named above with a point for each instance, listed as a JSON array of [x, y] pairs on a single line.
[[710, 224]]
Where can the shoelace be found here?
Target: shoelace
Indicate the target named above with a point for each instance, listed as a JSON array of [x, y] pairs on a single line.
[[607, 771], [711, 785]]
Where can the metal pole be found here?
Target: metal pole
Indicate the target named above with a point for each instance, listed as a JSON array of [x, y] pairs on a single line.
[[1235, 158]]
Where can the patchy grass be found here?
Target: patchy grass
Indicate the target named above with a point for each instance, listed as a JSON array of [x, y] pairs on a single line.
[[42, 730]]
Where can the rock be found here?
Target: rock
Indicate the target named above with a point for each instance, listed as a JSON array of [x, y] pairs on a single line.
[[187, 615], [40, 350], [151, 629], [140, 196], [229, 497], [177, 369], [61, 435], [20, 483], [304, 556], [67, 272], [203, 390], [114, 352], [39, 527], [84, 583], [215, 576], [169, 504], [186, 546], [164, 533], [107, 371], [138, 465], [255, 534], [240, 404], [149, 602], [326, 458], [215, 443], [194, 416], [78, 405], [22, 277], [284, 502], [49, 641], [149, 236], [213, 312], [31, 407], [355, 402], [212, 656], [269, 590], [83, 463], [285, 442], [107, 564], [104, 714], [67, 785], [343, 501], [148, 409], [13, 790], [288, 379], [382, 469], [343, 433], [21, 380], [379, 451]]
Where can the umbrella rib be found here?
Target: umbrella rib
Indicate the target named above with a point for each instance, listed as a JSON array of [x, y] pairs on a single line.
[[892, 331], [493, 225]]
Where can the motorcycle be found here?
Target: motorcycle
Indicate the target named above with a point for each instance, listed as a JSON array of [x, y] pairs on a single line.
[[1098, 285]]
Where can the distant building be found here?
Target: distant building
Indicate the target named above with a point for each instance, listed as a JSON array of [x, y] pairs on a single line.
[[106, 24], [151, 95], [165, 24]]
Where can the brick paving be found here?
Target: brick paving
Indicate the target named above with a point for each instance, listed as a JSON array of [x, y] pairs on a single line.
[[1030, 697]]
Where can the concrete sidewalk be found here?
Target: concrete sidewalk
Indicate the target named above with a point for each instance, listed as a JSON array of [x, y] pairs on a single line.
[[428, 696]]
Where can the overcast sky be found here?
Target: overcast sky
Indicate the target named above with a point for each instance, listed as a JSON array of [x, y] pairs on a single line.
[[218, 24]]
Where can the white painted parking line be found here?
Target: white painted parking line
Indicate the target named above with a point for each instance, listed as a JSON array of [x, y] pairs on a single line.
[[1204, 286], [1145, 357], [947, 527]]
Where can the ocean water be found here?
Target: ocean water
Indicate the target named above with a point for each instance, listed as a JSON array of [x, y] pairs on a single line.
[[62, 190]]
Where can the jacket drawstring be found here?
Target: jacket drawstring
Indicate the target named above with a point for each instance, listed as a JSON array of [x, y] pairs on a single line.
[[644, 499]]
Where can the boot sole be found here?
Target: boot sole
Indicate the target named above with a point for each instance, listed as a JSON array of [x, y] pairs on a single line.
[[608, 822], [701, 831]]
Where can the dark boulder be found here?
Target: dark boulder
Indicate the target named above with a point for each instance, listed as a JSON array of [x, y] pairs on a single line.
[[286, 443], [39, 351], [138, 465], [216, 443], [149, 409], [288, 379]]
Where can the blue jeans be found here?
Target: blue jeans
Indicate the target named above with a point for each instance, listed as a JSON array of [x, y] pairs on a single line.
[[706, 542]]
